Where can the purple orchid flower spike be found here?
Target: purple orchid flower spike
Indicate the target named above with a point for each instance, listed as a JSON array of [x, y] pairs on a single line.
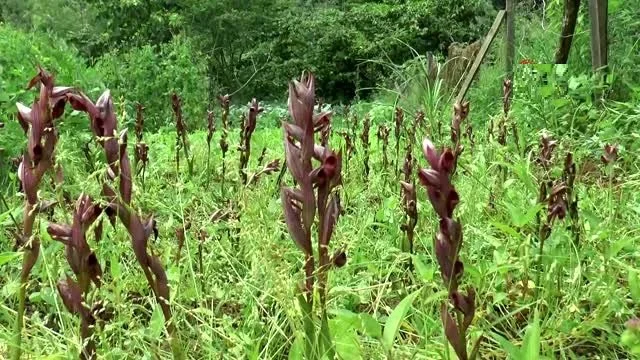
[[447, 244], [85, 266], [442, 195], [104, 125], [315, 184], [245, 137], [38, 124]]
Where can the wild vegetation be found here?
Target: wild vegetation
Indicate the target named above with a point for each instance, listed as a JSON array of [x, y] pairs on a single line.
[[502, 226]]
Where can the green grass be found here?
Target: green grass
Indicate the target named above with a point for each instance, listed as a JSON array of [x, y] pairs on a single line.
[[252, 268]]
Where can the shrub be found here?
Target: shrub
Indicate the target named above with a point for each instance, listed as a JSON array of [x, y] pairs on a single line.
[[150, 74]]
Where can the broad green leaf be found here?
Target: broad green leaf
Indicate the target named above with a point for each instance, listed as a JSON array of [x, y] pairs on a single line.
[[309, 327], [511, 350], [297, 349], [325, 341], [519, 218], [6, 257], [156, 324], [345, 339], [508, 230], [370, 326], [425, 272], [392, 326], [561, 69], [617, 246], [531, 343]]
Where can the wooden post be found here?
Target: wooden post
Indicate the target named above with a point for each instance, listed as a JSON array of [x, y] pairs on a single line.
[[510, 43], [599, 46], [599, 42], [481, 54], [569, 21]]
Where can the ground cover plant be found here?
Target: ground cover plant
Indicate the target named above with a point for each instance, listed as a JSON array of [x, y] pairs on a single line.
[[500, 227]]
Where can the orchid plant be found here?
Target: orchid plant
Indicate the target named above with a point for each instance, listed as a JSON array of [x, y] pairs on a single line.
[[38, 123], [249, 127], [447, 245], [364, 137], [383, 135], [84, 264], [211, 129], [104, 126], [182, 142], [312, 197]]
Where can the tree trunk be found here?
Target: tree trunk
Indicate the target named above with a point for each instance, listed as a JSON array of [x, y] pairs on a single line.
[[571, 9]]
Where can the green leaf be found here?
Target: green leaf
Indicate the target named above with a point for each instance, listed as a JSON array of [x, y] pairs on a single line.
[[546, 91], [344, 337], [114, 266], [370, 326], [561, 69], [326, 343], [508, 230], [634, 286], [425, 272], [156, 324], [531, 343], [617, 246], [574, 83], [6, 257], [392, 326], [309, 327], [520, 219], [296, 350], [508, 347]]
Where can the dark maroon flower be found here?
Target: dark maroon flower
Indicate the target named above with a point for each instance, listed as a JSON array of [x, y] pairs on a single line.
[[383, 135], [546, 150], [460, 113], [104, 122], [245, 137], [610, 154], [507, 90]]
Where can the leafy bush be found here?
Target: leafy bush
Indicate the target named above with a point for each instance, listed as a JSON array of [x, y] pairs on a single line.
[[150, 74]]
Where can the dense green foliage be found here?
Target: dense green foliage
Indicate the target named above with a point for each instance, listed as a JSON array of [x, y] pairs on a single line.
[[268, 41]]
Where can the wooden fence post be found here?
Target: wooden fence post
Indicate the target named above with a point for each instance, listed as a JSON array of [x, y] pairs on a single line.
[[481, 54], [599, 42], [599, 46], [510, 38]]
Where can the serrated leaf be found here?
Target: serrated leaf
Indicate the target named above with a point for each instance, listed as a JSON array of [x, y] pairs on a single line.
[[392, 326]]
